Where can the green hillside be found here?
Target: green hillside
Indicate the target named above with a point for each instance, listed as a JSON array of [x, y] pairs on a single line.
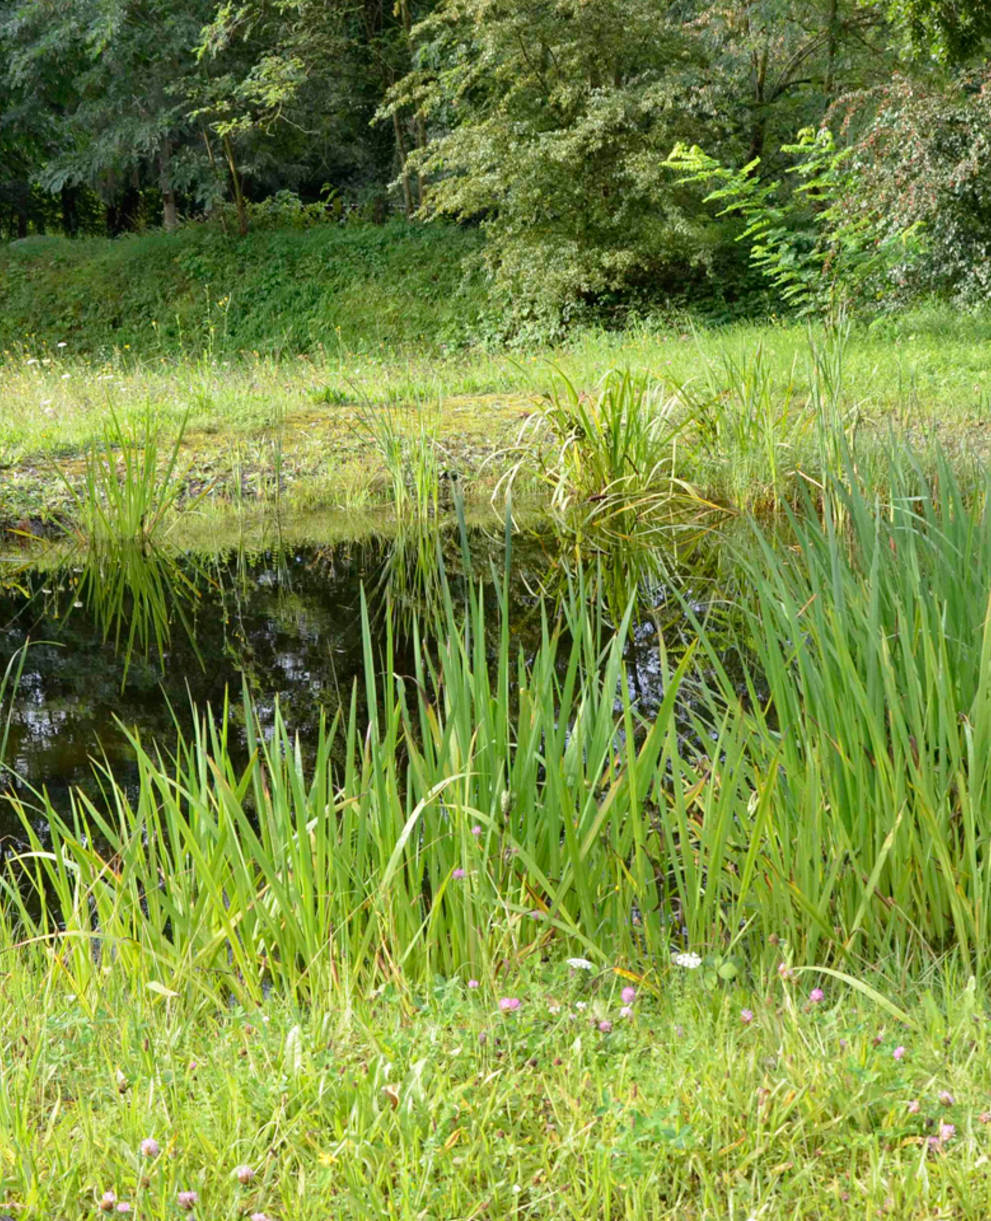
[[275, 290]]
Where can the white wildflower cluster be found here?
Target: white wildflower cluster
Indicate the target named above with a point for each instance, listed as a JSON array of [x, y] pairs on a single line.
[[579, 964], [688, 961]]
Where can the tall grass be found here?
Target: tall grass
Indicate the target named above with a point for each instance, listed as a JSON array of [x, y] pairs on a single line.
[[9, 682], [757, 432], [412, 462], [611, 461], [611, 453], [737, 406], [833, 813], [306, 876], [864, 735]]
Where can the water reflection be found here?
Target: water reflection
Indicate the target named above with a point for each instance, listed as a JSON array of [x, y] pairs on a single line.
[[136, 593], [141, 644], [188, 631]]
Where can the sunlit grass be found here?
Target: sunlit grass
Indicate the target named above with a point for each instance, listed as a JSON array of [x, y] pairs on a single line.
[[925, 376], [751, 1099]]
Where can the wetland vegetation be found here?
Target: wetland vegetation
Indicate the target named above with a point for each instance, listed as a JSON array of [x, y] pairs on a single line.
[[708, 718], [495, 658]]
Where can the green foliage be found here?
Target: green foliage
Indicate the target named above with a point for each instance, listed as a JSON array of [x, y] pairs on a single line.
[[551, 123], [278, 290], [314, 875], [918, 156], [818, 251], [495, 802], [950, 33], [610, 459], [863, 726], [114, 70], [148, 106]]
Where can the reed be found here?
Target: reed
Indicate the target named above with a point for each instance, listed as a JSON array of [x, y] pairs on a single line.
[[482, 810], [861, 743], [609, 455], [129, 497], [129, 486], [411, 457], [496, 801]]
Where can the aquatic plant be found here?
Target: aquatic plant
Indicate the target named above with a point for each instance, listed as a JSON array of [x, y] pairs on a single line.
[[610, 454], [412, 460], [862, 737], [121, 567], [494, 802], [129, 487], [135, 594], [9, 681], [307, 876], [610, 459]]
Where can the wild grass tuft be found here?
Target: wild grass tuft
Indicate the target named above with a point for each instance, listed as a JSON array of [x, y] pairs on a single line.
[[610, 453], [128, 500], [129, 487]]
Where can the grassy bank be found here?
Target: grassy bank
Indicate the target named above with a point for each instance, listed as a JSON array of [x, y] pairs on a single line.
[[746, 405], [437, 1104], [285, 351], [276, 291]]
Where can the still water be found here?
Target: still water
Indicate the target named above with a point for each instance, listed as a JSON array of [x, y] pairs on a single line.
[[104, 654]]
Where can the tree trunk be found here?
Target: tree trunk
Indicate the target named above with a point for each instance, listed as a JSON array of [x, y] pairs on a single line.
[[418, 122], [758, 130], [170, 219], [831, 51], [219, 175], [70, 213], [403, 172], [242, 212], [21, 199]]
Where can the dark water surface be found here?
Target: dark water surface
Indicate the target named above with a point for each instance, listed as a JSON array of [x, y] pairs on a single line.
[[285, 623]]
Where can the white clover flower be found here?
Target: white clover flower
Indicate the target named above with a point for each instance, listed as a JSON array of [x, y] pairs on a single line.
[[688, 961], [579, 964]]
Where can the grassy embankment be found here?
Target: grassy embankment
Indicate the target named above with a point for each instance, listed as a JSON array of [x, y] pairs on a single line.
[[443, 1107], [287, 354]]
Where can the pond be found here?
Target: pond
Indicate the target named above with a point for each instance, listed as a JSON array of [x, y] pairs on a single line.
[[104, 655]]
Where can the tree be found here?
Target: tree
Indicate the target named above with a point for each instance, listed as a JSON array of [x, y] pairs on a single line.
[[781, 62], [109, 74], [548, 121], [307, 78], [920, 150], [949, 31]]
